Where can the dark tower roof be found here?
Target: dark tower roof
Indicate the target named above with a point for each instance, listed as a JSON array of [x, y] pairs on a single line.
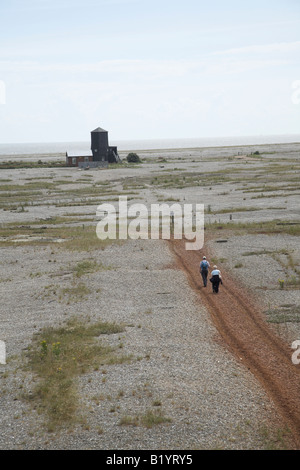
[[99, 129]]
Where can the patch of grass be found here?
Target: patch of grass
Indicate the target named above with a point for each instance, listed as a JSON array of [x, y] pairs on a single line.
[[74, 293], [88, 266], [238, 265], [168, 199], [56, 357], [76, 238], [156, 403], [152, 418], [267, 227], [257, 253], [236, 209], [28, 186], [129, 421], [84, 239], [276, 439], [275, 188], [284, 314], [285, 195], [293, 281], [194, 179], [149, 419], [9, 165]]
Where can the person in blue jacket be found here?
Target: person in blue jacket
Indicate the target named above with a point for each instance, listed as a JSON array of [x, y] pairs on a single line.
[[204, 266]]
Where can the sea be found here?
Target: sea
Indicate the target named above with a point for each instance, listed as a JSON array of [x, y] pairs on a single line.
[[38, 148]]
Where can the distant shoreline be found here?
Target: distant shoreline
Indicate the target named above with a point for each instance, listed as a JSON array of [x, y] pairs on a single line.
[[183, 153], [60, 148]]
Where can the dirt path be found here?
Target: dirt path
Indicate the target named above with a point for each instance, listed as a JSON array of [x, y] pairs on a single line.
[[239, 321]]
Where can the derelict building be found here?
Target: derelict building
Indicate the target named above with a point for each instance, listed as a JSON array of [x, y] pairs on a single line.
[[99, 155]]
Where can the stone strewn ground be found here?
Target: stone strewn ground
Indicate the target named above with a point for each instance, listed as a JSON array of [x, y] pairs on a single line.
[[179, 364]]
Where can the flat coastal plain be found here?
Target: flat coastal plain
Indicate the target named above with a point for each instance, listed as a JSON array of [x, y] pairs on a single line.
[[116, 344]]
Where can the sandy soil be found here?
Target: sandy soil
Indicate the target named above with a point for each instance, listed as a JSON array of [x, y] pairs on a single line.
[[219, 367]]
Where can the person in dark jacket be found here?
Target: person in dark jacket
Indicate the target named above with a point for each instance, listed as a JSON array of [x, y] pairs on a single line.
[[216, 279], [204, 265]]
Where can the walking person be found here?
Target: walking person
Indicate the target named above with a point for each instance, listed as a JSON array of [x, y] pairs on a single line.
[[204, 266], [216, 279]]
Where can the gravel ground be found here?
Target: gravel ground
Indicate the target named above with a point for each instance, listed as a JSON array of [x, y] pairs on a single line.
[[179, 364], [259, 262]]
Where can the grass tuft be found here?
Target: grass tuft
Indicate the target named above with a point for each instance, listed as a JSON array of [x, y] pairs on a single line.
[[57, 356]]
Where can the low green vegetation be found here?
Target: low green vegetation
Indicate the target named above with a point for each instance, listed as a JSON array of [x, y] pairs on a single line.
[[75, 293], [275, 439], [70, 237], [133, 158], [57, 356], [87, 267], [149, 419], [285, 258], [268, 227], [14, 165], [289, 313]]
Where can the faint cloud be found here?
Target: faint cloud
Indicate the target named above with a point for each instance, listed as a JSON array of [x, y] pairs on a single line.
[[66, 4], [263, 48]]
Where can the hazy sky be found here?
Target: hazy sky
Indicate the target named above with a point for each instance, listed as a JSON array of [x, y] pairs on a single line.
[[145, 69]]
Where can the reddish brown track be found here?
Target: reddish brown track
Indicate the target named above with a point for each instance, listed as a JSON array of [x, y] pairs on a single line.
[[240, 323]]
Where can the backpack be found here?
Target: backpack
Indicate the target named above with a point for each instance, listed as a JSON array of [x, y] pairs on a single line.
[[204, 265]]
